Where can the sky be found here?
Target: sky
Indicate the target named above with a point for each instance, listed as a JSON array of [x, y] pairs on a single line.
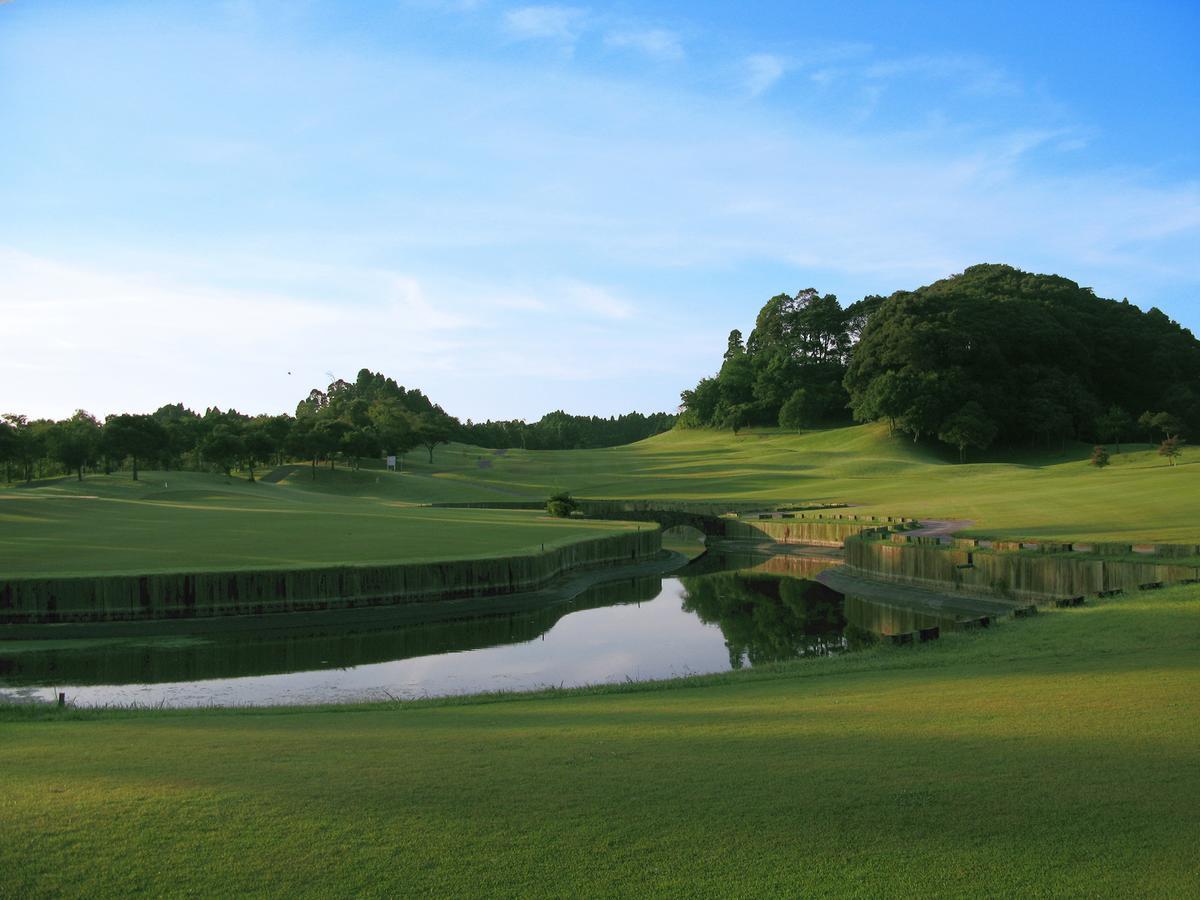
[[519, 208]]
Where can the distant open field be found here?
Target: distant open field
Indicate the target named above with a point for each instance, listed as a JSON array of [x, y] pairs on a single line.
[[1049, 494], [186, 521], [173, 520], [1045, 757]]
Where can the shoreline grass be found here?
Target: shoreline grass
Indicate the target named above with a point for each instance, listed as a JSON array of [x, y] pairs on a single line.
[[1046, 757]]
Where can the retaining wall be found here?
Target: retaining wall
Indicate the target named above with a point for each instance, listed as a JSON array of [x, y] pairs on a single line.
[[1011, 574], [200, 594]]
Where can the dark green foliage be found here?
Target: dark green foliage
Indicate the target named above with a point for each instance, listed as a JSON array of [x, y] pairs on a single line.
[[969, 427], [561, 504], [766, 618], [795, 355], [1040, 356], [75, 442], [223, 447], [1100, 458], [1114, 426], [560, 431], [139, 437]]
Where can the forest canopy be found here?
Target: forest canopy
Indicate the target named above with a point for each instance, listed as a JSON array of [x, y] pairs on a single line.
[[367, 418], [994, 355]]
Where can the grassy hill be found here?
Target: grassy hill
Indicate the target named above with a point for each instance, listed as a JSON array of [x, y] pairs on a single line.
[[1049, 494], [173, 520], [1047, 757], [188, 521]]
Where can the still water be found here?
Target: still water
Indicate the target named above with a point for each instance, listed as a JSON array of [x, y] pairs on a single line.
[[724, 611]]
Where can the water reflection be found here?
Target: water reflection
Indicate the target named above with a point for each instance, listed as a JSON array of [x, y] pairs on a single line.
[[768, 618], [731, 608]]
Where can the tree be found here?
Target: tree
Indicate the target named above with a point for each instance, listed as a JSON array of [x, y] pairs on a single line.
[[24, 444], [1113, 425], [561, 504], [223, 448], [75, 442], [394, 426], [802, 410], [8, 446], [969, 427], [137, 436], [184, 431], [433, 428], [1100, 458], [307, 440], [1172, 449], [360, 443], [1168, 424], [734, 416], [1043, 356], [258, 443]]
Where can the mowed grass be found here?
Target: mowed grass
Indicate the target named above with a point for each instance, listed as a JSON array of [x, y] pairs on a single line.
[[1048, 757], [171, 521], [1047, 494], [188, 521]]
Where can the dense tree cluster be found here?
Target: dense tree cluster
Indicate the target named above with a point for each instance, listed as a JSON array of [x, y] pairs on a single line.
[[560, 431], [368, 418], [789, 371], [991, 355], [349, 421]]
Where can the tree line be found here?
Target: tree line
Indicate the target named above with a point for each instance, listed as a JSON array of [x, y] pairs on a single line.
[[560, 431], [368, 418], [991, 356]]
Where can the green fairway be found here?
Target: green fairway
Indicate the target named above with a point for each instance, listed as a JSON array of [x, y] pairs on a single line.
[[187, 521], [171, 521], [1027, 494], [1053, 756]]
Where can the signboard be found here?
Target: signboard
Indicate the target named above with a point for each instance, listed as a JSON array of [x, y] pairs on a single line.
[[391, 463]]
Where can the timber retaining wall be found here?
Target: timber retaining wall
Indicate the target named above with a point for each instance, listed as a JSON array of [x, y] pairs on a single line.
[[1012, 572], [201, 594]]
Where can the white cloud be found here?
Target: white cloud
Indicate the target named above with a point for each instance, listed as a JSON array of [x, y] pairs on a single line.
[[596, 300], [762, 70], [552, 23], [656, 43], [967, 74]]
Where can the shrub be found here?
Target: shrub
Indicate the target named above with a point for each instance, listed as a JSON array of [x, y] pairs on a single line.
[[561, 504]]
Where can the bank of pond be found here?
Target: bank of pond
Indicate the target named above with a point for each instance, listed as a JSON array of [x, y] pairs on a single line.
[[731, 608]]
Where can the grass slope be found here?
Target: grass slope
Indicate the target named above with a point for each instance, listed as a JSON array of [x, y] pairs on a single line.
[[1031, 494], [188, 521], [195, 521], [1050, 757]]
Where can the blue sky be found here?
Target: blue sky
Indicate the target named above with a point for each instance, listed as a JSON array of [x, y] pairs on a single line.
[[524, 207]]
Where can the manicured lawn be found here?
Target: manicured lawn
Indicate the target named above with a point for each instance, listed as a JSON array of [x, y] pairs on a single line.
[[193, 521], [1027, 494], [189, 521], [1047, 757]]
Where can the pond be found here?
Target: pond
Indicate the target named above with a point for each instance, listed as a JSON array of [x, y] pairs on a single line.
[[726, 610]]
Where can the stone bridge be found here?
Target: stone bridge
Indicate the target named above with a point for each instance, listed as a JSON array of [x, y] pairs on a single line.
[[708, 522]]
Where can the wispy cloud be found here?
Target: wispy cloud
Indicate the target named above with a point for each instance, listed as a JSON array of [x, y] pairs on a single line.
[[966, 74], [762, 71], [561, 24], [447, 221], [596, 300], [656, 43]]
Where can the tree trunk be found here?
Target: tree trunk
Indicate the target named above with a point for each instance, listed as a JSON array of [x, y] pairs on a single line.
[[430, 446], [251, 468], [314, 469], [80, 472], [135, 478]]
